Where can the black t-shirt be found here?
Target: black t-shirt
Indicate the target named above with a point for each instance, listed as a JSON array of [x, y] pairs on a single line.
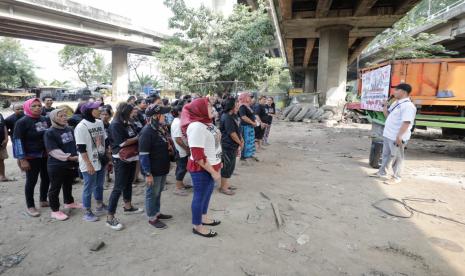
[[260, 110], [2, 128], [245, 111], [119, 133], [142, 117], [270, 109], [31, 133], [46, 111], [10, 122], [63, 139], [74, 120], [153, 142], [229, 124]]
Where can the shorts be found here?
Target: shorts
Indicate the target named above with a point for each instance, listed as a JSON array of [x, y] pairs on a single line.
[[229, 162], [3, 154], [259, 132], [181, 168]]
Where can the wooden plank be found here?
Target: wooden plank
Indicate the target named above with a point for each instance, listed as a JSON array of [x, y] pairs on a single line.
[[289, 52], [364, 7], [308, 50], [360, 48], [277, 215], [322, 8], [285, 7]]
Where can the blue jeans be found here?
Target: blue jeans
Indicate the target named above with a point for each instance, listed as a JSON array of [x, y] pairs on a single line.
[[92, 184], [203, 187], [153, 196]]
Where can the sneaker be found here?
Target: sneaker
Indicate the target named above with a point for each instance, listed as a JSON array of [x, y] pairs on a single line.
[[59, 215], [133, 210], [100, 211], [378, 175], [90, 217], [158, 224], [164, 217], [114, 224], [73, 205], [180, 192], [44, 204], [393, 181], [32, 212]]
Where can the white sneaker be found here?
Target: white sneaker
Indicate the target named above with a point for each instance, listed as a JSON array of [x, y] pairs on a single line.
[[393, 181], [114, 224]]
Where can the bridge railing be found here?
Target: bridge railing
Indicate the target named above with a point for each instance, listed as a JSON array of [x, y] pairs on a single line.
[[385, 42]]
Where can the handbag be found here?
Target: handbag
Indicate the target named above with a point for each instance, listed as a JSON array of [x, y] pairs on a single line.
[[128, 152]]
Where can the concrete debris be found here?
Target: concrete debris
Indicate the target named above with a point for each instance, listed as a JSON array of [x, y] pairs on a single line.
[[264, 195], [253, 218], [303, 239], [289, 247], [11, 260], [277, 215], [96, 246]]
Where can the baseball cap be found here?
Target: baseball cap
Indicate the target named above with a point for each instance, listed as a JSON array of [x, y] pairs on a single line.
[[90, 105], [157, 109], [404, 86]]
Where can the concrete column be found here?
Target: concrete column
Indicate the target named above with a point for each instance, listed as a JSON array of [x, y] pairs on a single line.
[[332, 64], [119, 73], [309, 86]]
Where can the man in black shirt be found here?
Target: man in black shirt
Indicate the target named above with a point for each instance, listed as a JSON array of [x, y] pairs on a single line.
[[3, 151], [47, 108], [260, 110], [10, 121], [231, 142]]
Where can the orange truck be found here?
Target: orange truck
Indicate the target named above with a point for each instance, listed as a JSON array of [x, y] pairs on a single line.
[[438, 91]]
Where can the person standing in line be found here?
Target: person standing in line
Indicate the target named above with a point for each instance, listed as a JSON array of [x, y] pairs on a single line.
[[76, 118], [29, 149], [48, 102], [204, 164], [231, 143], [90, 141], [106, 113], [11, 120], [180, 143], [62, 163], [271, 111], [137, 126], [3, 150], [124, 141], [142, 107], [154, 155], [400, 117], [264, 119], [131, 100], [248, 123]]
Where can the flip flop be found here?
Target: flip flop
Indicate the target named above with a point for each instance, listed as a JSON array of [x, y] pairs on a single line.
[[210, 234], [227, 192]]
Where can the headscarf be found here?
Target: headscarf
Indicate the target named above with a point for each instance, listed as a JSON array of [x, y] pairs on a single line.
[[196, 111], [27, 107], [53, 117], [88, 115]]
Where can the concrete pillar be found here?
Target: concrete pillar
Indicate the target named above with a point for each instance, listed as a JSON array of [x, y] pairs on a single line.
[[119, 73], [309, 86], [332, 64]]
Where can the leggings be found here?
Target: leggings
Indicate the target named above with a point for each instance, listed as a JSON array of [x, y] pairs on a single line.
[[38, 166], [203, 187], [124, 176], [60, 177]]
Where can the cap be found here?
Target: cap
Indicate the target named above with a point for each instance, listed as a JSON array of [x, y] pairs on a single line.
[[404, 86], [90, 105], [157, 109]]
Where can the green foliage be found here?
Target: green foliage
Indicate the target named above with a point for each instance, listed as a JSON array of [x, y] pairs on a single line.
[[209, 47], [144, 80], [57, 83], [16, 69], [280, 79], [89, 66]]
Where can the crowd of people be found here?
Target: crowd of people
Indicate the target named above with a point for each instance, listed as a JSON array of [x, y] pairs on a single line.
[[142, 137]]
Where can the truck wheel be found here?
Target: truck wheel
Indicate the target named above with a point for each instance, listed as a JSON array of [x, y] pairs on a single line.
[[288, 110], [376, 152], [294, 112]]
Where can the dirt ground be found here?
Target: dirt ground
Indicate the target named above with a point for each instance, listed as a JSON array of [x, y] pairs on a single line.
[[317, 176]]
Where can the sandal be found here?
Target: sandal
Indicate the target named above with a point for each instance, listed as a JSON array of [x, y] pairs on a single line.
[[210, 234], [232, 187], [227, 192], [214, 223]]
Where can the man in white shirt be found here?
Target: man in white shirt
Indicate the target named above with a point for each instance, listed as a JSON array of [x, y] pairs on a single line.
[[180, 142], [400, 117]]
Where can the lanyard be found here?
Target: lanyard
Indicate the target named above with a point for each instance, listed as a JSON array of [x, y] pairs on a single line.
[[397, 105]]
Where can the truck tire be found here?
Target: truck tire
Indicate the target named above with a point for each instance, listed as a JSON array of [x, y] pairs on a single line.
[[294, 112], [310, 113], [333, 109], [376, 152], [287, 110], [299, 117], [317, 114]]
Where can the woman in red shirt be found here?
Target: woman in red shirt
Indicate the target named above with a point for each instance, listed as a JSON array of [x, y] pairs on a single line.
[[204, 164]]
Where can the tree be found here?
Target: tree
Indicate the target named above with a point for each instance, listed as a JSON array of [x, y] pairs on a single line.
[[280, 79], [16, 69], [89, 66], [210, 48], [135, 62], [144, 80]]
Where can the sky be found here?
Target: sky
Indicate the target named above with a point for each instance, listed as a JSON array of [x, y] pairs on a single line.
[[152, 14]]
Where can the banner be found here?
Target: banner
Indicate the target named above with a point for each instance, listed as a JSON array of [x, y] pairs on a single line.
[[375, 88]]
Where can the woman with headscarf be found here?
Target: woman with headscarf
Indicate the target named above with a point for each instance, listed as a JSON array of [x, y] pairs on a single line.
[[154, 155], [204, 164], [248, 123], [29, 148], [61, 164], [124, 149]]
